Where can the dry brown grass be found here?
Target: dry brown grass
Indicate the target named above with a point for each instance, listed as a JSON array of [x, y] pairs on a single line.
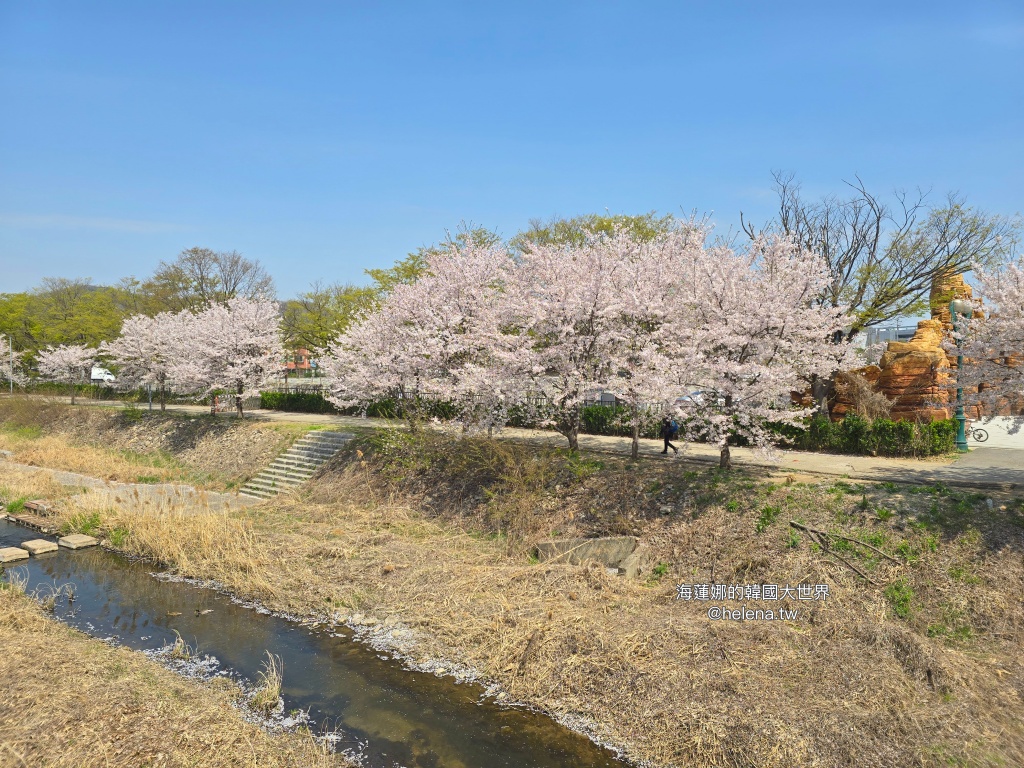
[[29, 484], [193, 540], [422, 536], [852, 685], [267, 695], [54, 452], [135, 446], [72, 702]]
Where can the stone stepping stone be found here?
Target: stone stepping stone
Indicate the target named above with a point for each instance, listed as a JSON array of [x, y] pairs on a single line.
[[33, 521], [39, 546], [77, 541], [10, 554]]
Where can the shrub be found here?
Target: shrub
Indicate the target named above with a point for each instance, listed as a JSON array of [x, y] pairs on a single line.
[[298, 402], [884, 437], [941, 436], [893, 438]]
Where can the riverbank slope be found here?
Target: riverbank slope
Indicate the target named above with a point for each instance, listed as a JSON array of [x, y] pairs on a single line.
[[908, 655]]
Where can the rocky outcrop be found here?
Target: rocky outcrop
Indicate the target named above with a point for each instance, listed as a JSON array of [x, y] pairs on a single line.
[[915, 374], [944, 290]]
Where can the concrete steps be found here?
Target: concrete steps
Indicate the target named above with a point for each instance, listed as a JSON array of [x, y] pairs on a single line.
[[296, 465]]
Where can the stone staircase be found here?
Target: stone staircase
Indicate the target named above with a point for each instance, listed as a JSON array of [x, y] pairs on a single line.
[[296, 465]]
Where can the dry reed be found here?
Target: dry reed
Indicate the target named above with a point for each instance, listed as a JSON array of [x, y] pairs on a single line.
[[267, 695]]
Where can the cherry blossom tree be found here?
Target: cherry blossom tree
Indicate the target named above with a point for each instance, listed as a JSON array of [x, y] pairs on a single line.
[[560, 318], [234, 346], [68, 364], [149, 348], [601, 313], [652, 351], [429, 339], [648, 319], [757, 335], [993, 344], [371, 361]]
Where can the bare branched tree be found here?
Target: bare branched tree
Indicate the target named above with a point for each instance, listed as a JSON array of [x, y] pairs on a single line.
[[200, 277], [884, 257]]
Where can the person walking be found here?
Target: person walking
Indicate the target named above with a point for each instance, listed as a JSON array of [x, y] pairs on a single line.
[[669, 428]]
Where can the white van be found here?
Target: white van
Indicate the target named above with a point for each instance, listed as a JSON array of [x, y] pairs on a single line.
[[102, 374]]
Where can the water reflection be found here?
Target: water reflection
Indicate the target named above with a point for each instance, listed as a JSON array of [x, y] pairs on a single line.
[[404, 718]]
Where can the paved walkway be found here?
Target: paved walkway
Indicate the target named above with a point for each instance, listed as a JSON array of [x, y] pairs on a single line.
[[156, 496], [998, 463]]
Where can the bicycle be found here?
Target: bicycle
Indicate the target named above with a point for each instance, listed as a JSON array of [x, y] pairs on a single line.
[[978, 434]]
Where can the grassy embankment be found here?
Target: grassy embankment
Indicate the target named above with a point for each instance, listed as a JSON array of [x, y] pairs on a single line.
[[913, 660], [70, 701], [132, 446]]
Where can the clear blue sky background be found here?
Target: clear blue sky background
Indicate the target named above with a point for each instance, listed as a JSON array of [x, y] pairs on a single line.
[[324, 138]]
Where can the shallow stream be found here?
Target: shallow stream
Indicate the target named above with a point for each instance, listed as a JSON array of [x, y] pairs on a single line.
[[386, 714]]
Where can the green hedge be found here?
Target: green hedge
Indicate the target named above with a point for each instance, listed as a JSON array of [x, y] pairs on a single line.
[[881, 437], [297, 402], [614, 420], [314, 402], [852, 435]]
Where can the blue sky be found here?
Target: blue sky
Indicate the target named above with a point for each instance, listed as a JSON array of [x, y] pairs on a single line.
[[324, 138]]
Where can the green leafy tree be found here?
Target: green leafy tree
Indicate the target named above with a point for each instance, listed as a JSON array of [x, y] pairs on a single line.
[[17, 322], [574, 231], [74, 311], [408, 270], [317, 317]]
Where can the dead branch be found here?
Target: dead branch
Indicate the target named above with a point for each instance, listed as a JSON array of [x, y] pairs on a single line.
[[526, 651], [821, 534]]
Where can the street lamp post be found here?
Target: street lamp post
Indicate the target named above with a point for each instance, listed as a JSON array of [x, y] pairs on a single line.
[[958, 307]]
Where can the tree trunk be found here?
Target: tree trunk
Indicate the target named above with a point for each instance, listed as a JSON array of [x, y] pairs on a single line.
[[213, 405], [163, 397], [72, 394], [725, 458], [409, 414], [635, 452], [238, 400], [572, 430]]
